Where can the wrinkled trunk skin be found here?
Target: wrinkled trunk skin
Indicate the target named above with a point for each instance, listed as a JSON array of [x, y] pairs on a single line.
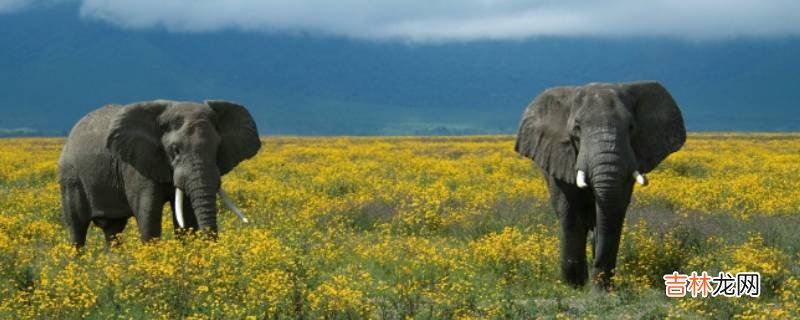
[[202, 185], [203, 201], [612, 187], [612, 197]]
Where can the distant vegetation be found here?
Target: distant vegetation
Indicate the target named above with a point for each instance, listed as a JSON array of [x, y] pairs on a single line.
[[28, 132], [395, 228]]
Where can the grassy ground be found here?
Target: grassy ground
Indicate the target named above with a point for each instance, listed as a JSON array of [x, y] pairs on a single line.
[[410, 228]]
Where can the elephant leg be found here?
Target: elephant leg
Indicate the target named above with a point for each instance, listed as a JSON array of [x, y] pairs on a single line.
[[574, 208], [111, 228], [148, 207], [573, 249], [76, 212]]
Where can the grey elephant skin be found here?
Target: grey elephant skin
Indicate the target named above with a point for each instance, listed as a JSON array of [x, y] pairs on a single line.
[[608, 132], [123, 161]]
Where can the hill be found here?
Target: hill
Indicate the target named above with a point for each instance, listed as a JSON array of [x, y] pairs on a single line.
[[57, 67]]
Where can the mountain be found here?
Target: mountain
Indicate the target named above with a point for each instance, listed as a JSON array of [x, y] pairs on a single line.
[[56, 67]]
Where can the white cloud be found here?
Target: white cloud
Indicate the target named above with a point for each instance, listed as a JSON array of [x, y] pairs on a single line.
[[440, 20], [10, 6]]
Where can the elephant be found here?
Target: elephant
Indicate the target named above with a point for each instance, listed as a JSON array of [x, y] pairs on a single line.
[[122, 161], [591, 143]]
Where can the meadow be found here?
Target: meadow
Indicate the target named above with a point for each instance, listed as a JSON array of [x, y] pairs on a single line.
[[406, 227]]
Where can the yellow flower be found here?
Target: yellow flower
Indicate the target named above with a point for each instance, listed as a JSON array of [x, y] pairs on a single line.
[[400, 227]]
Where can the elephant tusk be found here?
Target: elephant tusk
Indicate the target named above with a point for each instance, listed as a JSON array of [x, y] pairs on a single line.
[[179, 206], [580, 179], [640, 178], [229, 203]]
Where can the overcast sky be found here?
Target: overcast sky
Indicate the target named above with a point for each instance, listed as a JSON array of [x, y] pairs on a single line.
[[438, 20]]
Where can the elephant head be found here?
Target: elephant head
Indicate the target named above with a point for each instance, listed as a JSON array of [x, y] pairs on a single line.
[[189, 145], [604, 130], [603, 137]]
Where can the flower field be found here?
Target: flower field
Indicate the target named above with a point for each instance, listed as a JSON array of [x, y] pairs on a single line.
[[398, 228]]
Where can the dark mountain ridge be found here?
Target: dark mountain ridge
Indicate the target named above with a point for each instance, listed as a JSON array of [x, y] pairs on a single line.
[[55, 67]]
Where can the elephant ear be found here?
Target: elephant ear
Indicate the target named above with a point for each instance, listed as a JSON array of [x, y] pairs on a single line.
[[544, 134], [238, 132], [135, 137], [659, 124]]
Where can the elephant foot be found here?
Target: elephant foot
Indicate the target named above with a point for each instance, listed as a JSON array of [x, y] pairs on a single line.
[[574, 272], [602, 280]]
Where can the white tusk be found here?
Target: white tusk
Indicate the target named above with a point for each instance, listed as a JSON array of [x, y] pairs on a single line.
[[229, 203], [179, 207], [640, 178], [580, 179]]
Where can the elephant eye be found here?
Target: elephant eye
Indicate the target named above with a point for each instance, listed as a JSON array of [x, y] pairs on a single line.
[[174, 150], [576, 130]]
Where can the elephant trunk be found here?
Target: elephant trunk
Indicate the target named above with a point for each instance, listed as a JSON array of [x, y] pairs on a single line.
[[611, 168], [611, 189], [202, 187], [197, 177], [611, 164], [204, 202]]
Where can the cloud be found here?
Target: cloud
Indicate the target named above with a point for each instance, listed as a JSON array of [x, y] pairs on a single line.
[[11, 6], [439, 20]]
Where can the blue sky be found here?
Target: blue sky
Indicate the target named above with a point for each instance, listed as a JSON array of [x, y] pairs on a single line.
[[437, 20]]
